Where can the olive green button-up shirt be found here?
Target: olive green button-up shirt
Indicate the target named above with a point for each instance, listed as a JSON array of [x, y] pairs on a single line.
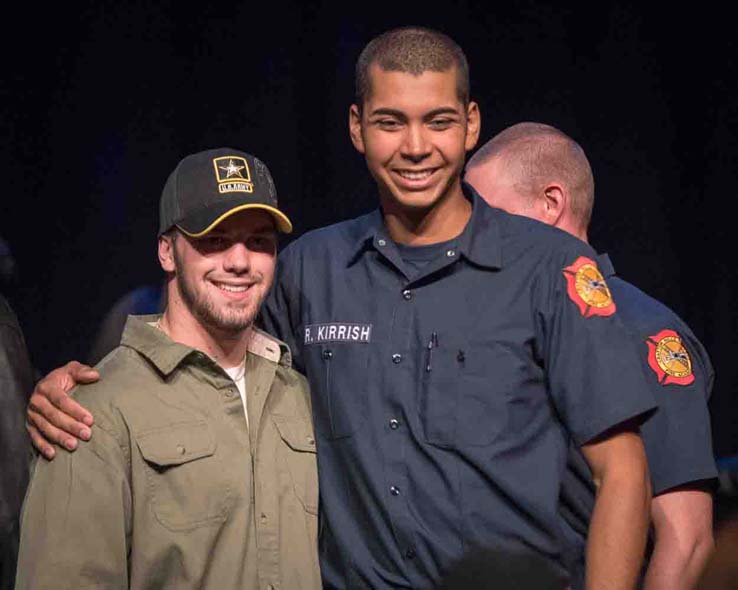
[[174, 490]]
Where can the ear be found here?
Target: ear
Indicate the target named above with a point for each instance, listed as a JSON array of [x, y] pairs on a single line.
[[473, 125], [166, 253], [555, 201], [355, 128]]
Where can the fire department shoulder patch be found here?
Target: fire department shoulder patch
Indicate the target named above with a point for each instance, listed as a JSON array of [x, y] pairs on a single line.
[[669, 359], [587, 288]]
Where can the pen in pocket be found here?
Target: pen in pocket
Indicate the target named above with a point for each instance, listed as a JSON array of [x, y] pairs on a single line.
[[432, 343]]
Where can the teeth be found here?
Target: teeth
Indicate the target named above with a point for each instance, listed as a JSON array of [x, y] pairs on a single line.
[[415, 175], [232, 288]]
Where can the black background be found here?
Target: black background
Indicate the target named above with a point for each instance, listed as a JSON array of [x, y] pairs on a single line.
[[101, 99]]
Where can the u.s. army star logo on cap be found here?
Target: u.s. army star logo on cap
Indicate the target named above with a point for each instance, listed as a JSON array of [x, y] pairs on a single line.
[[587, 288], [669, 359], [233, 175]]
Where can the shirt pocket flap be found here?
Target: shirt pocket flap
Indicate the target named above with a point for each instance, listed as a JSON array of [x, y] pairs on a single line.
[[296, 433], [177, 444]]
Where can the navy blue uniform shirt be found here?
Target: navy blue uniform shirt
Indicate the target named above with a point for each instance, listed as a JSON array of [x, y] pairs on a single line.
[[677, 436], [442, 393]]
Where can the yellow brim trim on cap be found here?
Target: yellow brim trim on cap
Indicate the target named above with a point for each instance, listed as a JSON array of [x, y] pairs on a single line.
[[283, 223]]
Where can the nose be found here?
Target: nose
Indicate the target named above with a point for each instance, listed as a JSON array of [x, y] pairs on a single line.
[[415, 146], [237, 259]]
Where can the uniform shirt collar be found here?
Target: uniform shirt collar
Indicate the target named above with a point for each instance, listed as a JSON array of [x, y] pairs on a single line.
[[166, 355], [605, 265], [479, 242]]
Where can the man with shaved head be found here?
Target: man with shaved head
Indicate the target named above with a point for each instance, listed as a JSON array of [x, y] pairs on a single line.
[[537, 171]]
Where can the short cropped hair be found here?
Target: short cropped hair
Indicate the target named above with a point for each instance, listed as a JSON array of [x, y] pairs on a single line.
[[536, 154], [413, 50]]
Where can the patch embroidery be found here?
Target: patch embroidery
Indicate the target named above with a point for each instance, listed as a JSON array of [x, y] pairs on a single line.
[[338, 332], [233, 175], [587, 288], [669, 359]]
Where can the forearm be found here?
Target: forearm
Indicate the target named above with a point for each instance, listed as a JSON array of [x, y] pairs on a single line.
[[672, 569], [683, 539], [618, 530]]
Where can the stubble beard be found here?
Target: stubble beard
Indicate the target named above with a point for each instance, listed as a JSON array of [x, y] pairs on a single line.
[[228, 320]]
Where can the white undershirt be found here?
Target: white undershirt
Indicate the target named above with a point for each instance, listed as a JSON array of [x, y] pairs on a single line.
[[238, 374]]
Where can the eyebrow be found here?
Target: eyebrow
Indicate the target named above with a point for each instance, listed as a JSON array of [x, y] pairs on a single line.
[[401, 115], [390, 112]]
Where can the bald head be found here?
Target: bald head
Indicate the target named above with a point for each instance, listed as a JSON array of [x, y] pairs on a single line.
[[530, 169]]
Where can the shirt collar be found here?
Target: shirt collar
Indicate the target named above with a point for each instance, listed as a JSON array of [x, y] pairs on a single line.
[[166, 355], [268, 347], [605, 265], [145, 338], [368, 231], [480, 242]]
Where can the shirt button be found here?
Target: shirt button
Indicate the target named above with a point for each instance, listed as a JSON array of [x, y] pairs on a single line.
[[410, 553], [450, 253], [263, 517], [327, 354], [397, 358], [394, 490], [230, 393], [181, 450], [310, 440], [382, 242], [394, 424], [407, 294]]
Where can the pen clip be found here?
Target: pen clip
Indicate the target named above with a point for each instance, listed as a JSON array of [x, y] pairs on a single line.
[[432, 343]]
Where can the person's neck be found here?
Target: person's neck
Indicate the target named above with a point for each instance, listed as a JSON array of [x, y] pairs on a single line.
[[419, 227], [228, 349]]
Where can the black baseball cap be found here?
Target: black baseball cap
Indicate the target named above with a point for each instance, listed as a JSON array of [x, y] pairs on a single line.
[[207, 187]]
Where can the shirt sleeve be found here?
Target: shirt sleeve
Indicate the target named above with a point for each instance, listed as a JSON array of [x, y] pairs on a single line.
[[280, 315], [76, 521], [590, 359], [677, 437]]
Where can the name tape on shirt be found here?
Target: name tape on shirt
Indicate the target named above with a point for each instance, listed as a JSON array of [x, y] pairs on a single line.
[[669, 359], [587, 288], [338, 332]]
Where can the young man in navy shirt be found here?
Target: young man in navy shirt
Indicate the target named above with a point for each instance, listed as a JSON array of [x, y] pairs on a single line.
[[450, 348]]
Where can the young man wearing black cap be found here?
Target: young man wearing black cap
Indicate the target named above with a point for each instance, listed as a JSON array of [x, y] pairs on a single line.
[[431, 332], [201, 472]]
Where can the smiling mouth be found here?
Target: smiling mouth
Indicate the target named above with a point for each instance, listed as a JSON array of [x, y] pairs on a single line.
[[228, 288], [416, 174]]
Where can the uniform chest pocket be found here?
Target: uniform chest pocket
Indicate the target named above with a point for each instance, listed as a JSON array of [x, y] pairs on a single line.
[[186, 480], [338, 374], [300, 458], [462, 401]]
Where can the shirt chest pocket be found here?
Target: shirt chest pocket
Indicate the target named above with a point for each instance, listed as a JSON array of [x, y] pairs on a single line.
[[339, 374], [300, 459], [463, 393], [186, 480]]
